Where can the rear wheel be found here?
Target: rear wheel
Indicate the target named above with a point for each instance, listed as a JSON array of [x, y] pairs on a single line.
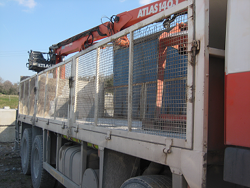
[[26, 146], [149, 181], [40, 177]]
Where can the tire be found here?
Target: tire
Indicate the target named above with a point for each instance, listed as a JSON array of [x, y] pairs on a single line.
[[149, 181], [39, 176], [26, 146]]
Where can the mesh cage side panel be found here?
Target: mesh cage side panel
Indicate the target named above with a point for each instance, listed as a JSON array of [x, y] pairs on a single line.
[[62, 104], [113, 79], [41, 95], [32, 96], [121, 70], [105, 95], [21, 98], [85, 91], [26, 98], [159, 79], [50, 94], [159, 75]]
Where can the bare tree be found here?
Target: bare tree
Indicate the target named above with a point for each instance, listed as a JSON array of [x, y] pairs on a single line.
[[7, 87], [16, 88]]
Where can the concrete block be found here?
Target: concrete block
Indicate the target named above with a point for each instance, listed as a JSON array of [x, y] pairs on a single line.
[[7, 125], [7, 117], [7, 133]]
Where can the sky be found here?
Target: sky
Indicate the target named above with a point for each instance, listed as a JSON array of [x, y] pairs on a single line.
[[37, 24]]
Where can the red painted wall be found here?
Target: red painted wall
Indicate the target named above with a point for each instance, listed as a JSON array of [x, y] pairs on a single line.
[[237, 109]]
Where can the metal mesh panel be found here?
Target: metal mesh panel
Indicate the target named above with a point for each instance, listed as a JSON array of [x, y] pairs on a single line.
[[85, 91], [32, 96], [159, 79], [21, 98], [26, 97], [62, 102], [41, 95], [113, 71], [106, 83], [121, 70], [50, 94]]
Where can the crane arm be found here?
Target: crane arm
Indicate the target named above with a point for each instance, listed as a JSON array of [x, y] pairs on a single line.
[[116, 24], [85, 39]]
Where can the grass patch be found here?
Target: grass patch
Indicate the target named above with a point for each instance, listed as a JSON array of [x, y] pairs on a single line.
[[9, 100]]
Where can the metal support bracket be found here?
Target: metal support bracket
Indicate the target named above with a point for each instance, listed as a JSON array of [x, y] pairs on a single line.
[[191, 99], [108, 136], [47, 122], [71, 80], [63, 125], [169, 144], [69, 131], [77, 128], [195, 49], [196, 45]]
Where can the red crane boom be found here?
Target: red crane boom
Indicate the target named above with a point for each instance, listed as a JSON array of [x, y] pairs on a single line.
[[116, 24], [85, 39]]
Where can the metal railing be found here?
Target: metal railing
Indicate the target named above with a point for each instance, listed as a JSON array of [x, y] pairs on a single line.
[[143, 87]]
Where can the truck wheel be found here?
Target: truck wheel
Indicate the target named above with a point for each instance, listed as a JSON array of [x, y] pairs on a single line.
[[149, 181], [26, 145], [39, 176]]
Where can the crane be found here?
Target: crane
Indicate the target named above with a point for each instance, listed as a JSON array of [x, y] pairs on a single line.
[[81, 41]]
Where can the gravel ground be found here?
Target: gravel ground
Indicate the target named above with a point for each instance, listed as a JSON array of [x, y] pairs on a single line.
[[11, 175]]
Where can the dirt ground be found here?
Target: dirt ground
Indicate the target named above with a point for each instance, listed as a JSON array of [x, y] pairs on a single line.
[[11, 175]]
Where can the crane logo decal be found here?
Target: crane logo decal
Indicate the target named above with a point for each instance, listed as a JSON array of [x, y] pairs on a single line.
[[158, 7], [42, 65], [68, 45]]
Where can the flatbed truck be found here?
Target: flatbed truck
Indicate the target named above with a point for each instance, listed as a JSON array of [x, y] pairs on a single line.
[[171, 108]]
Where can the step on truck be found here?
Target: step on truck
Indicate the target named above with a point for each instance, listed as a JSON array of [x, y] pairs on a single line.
[[161, 101]]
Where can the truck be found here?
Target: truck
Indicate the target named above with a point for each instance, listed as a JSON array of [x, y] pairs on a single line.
[[156, 97]]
